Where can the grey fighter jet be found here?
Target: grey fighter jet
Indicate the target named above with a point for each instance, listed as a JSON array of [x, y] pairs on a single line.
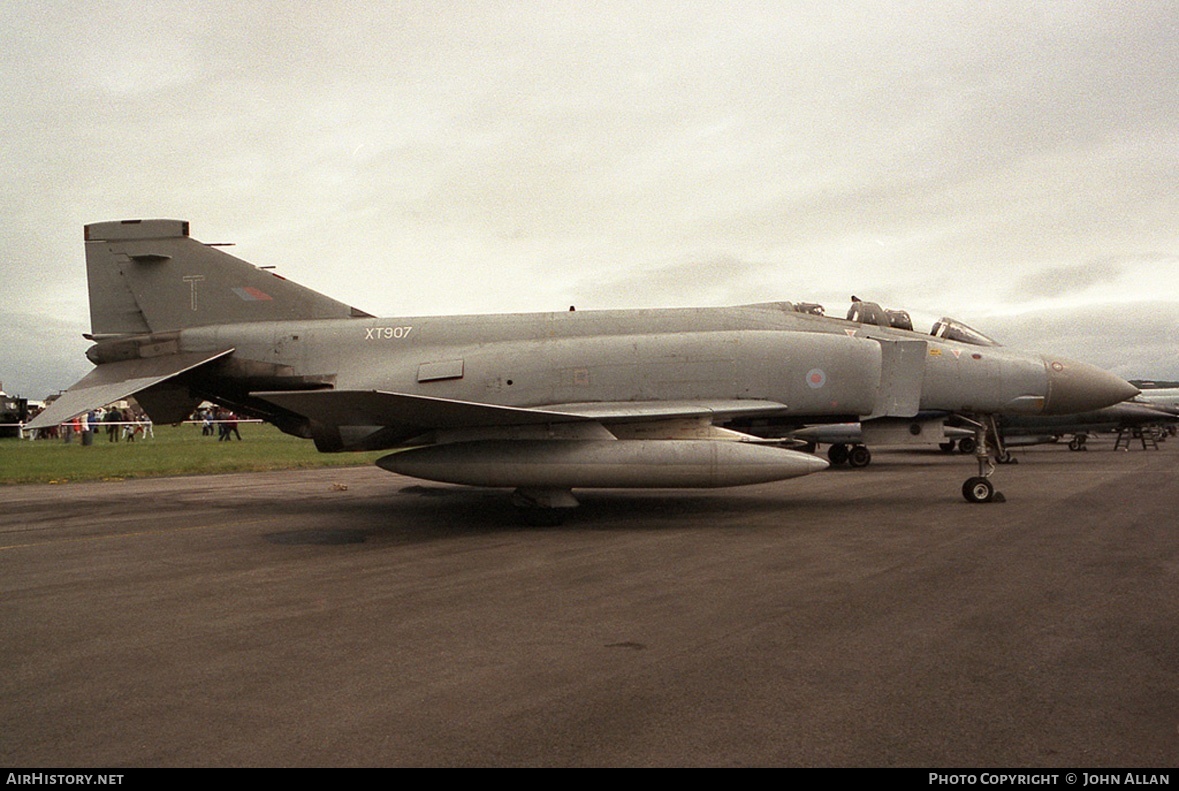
[[849, 442], [1165, 397], [542, 403], [1125, 417]]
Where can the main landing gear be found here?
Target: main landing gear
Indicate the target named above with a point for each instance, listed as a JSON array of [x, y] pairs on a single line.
[[854, 456], [979, 488], [965, 446]]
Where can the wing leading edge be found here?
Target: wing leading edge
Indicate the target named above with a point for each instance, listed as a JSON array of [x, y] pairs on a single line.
[[420, 413]]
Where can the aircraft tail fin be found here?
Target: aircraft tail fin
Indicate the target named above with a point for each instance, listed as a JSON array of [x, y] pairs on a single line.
[[150, 276]]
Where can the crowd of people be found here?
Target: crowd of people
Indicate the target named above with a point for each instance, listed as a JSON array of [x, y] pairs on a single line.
[[223, 419], [126, 424]]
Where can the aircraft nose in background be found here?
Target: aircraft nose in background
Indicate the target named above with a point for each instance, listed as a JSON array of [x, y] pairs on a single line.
[[1079, 387]]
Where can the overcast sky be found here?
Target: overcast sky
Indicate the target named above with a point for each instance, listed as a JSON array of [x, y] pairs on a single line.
[[1014, 164]]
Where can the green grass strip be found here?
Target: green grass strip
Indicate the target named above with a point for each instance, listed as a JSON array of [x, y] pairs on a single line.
[[175, 450]]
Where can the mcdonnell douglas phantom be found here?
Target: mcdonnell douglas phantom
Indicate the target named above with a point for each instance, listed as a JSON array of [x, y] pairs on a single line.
[[849, 442], [543, 403]]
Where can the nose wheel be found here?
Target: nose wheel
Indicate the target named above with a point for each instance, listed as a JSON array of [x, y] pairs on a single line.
[[978, 490]]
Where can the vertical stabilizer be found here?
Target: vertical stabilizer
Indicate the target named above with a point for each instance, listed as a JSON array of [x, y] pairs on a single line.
[[150, 276]]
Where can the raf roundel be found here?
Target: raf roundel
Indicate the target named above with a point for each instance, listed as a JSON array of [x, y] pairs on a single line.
[[816, 378]]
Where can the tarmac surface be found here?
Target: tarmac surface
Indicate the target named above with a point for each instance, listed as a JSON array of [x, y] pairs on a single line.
[[353, 617]]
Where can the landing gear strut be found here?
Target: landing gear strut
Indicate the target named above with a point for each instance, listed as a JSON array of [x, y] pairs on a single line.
[[979, 488]]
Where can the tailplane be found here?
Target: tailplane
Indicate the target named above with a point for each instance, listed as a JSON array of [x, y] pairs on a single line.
[[150, 276]]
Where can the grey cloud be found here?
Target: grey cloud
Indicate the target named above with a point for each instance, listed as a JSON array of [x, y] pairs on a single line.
[[929, 155], [42, 355], [1132, 341], [1062, 280]]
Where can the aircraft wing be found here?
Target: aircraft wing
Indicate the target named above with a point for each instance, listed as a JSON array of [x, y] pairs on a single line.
[[380, 408], [112, 382], [628, 411]]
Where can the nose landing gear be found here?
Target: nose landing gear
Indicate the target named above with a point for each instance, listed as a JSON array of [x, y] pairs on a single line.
[[979, 489]]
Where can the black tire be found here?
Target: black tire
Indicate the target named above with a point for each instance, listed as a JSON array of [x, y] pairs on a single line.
[[978, 490], [837, 453], [859, 456], [967, 445], [947, 446]]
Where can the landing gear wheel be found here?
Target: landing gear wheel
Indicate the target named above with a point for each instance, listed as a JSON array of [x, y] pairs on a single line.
[[1006, 458], [1076, 443], [947, 446], [978, 490], [967, 445], [837, 453], [859, 456]]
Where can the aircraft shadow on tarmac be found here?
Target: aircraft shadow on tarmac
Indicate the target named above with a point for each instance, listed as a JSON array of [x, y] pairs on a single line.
[[425, 513]]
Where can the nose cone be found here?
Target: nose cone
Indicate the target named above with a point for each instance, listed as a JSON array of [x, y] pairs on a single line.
[[1079, 387]]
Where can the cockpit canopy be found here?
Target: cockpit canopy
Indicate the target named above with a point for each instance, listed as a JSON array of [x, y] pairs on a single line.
[[872, 313], [863, 312], [945, 328], [953, 330]]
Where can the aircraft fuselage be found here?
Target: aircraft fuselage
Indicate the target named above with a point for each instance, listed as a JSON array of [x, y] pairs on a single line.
[[816, 366]]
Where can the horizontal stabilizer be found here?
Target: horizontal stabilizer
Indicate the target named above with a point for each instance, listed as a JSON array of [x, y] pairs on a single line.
[[112, 382]]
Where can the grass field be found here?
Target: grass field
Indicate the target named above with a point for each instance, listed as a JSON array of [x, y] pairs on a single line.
[[175, 450]]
